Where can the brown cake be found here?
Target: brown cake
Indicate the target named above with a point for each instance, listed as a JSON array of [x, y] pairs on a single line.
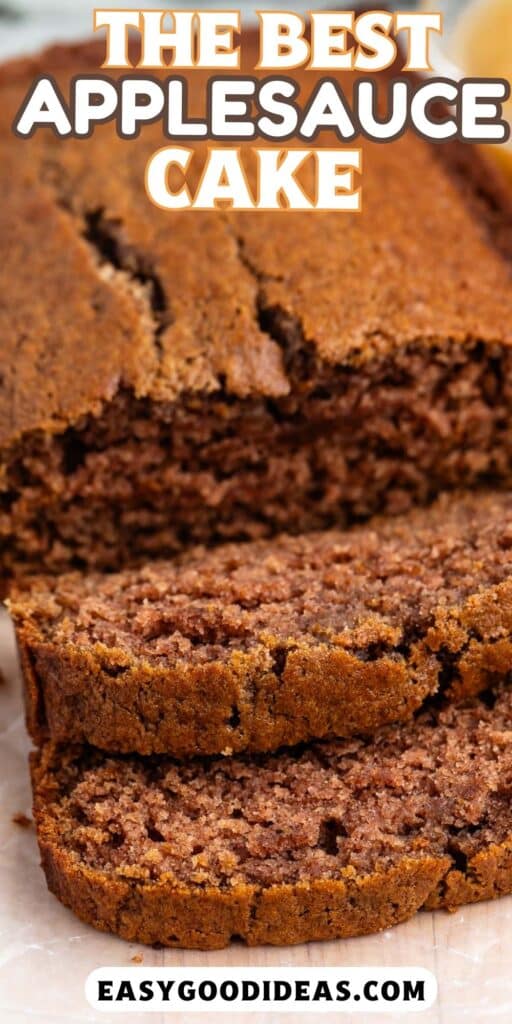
[[169, 378], [274, 642], [340, 839]]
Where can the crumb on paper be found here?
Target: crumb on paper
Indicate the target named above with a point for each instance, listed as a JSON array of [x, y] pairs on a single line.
[[22, 820], [137, 959]]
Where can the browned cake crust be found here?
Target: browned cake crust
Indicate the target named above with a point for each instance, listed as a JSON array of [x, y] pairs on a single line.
[[250, 647], [335, 840], [169, 378]]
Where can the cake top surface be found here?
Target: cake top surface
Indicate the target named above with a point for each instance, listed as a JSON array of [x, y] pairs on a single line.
[[96, 279], [371, 590]]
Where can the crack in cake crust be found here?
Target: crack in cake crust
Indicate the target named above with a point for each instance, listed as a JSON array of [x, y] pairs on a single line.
[[257, 395]]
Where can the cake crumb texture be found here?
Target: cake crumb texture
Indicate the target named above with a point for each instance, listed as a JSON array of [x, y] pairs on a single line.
[[342, 838], [251, 647], [170, 379]]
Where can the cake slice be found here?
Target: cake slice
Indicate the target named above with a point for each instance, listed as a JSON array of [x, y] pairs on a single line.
[[339, 839], [170, 378], [249, 647]]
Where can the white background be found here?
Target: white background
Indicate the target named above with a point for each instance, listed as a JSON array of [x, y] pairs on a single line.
[[43, 21]]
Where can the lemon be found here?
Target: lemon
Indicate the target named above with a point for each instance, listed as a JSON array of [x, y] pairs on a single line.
[[480, 44], [482, 39]]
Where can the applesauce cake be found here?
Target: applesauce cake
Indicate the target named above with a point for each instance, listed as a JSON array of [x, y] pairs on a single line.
[[250, 647], [337, 839], [169, 379]]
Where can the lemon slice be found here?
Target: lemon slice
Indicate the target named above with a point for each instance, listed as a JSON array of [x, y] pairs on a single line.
[[480, 44], [482, 39]]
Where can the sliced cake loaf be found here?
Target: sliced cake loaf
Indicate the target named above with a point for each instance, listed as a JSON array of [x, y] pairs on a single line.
[[169, 379], [340, 839], [249, 647]]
